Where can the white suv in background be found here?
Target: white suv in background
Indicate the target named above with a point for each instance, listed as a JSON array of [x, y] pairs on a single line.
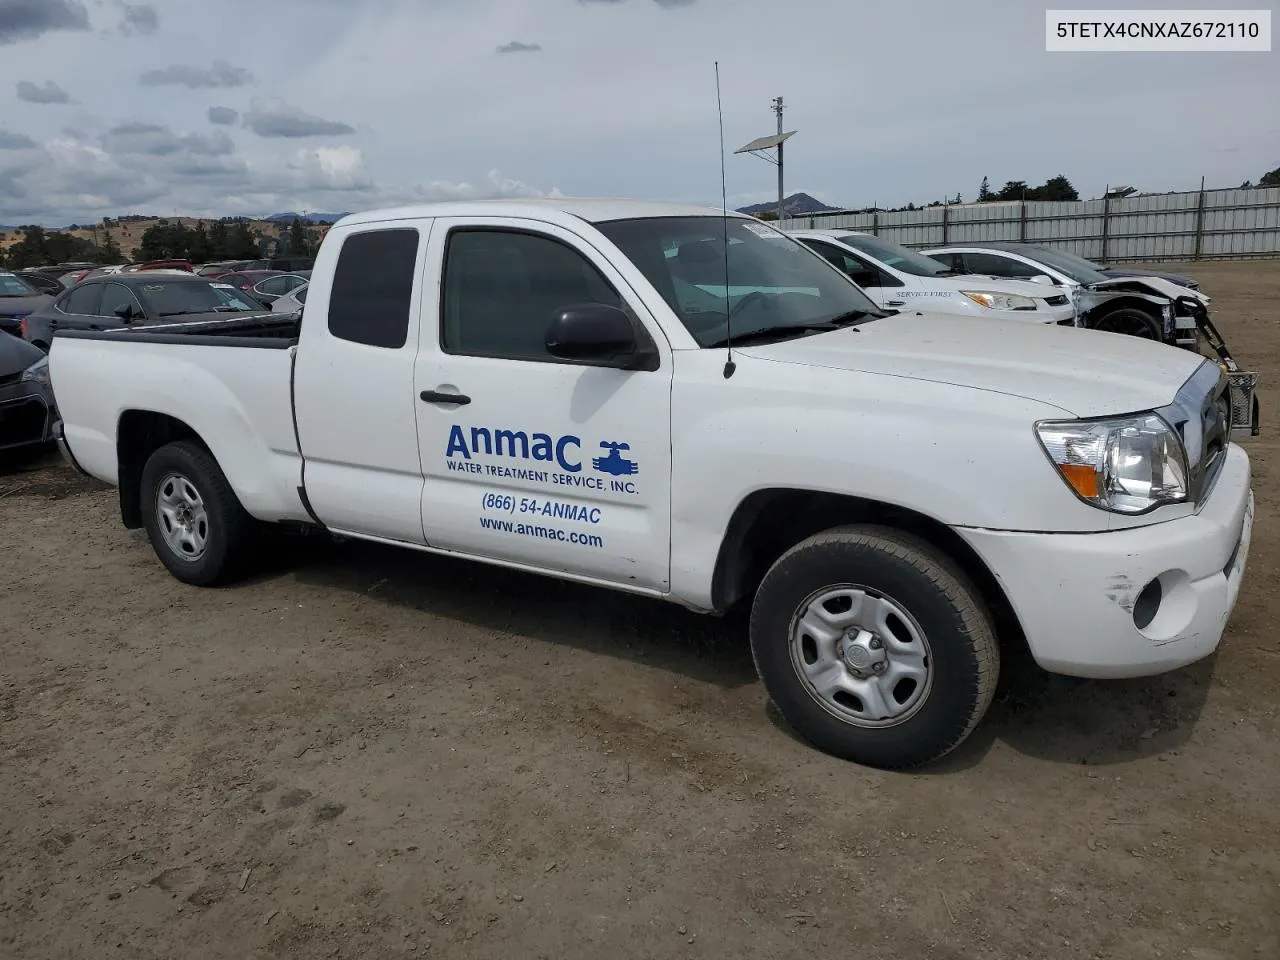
[[898, 278]]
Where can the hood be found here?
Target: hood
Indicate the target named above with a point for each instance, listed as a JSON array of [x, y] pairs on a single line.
[[1085, 373], [23, 306], [981, 282], [1131, 272], [16, 355], [1157, 286]]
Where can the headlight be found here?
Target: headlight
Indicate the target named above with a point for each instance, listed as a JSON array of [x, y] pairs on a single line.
[[1129, 465], [1000, 301], [38, 372]]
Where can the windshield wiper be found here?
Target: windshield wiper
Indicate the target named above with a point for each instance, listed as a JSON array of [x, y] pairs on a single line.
[[784, 330], [185, 313]]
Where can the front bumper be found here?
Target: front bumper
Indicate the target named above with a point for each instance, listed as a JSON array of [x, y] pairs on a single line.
[[26, 415], [1075, 594]]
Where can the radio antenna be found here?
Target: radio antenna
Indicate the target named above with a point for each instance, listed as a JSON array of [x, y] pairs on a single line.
[[729, 365]]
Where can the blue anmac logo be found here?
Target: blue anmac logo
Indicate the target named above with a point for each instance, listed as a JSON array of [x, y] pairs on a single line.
[[564, 452], [614, 463]]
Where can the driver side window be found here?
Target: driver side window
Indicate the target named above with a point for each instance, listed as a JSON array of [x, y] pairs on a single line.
[[502, 289]]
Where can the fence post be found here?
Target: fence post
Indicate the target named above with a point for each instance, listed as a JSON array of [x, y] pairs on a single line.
[[945, 210], [1106, 224], [1022, 221], [875, 223], [1200, 221]]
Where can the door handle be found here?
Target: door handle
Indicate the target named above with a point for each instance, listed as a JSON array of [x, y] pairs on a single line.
[[434, 396], [895, 303]]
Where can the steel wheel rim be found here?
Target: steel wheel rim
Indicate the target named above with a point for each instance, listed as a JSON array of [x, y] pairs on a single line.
[[182, 517], [861, 656]]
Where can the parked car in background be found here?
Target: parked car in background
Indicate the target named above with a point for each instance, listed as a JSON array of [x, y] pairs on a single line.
[[291, 302], [246, 279], [18, 299], [280, 264], [1147, 307], [275, 287], [183, 265], [107, 303], [896, 499], [217, 269], [901, 279], [42, 283], [71, 278], [27, 410]]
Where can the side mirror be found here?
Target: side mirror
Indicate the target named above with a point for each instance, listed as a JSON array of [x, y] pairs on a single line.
[[124, 312], [1045, 279], [596, 331]]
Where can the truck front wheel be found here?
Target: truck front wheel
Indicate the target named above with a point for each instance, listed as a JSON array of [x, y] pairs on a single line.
[[196, 525], [874, 646]]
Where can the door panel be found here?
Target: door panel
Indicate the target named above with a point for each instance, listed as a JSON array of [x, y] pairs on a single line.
[[560, 465], [354, 382]]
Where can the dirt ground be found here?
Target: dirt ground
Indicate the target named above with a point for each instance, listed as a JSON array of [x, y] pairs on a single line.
[[367, 753]]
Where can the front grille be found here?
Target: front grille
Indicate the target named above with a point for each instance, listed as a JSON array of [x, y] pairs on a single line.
[[22, 421], [1201, 413]]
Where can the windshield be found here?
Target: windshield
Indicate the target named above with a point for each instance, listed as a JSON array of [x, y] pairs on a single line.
[[775, 283], [15, 286], [1077, 268], [185, 296], [896, 256]]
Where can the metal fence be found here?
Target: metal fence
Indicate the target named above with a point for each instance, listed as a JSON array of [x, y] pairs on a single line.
[[1201, 225]]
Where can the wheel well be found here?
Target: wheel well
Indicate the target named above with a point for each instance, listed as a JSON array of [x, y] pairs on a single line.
[[769, 522], [140, 434], [1125, 303]]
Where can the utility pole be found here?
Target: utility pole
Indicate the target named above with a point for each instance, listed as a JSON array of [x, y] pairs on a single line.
[[777, 108], [759, 146]]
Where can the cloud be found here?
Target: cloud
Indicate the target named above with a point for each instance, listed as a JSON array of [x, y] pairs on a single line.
[[28, 19], [48, 92], [282, 120], [515, 46], [156, 140], [139, 18], [16, 141], [223, 115], [221, 74]]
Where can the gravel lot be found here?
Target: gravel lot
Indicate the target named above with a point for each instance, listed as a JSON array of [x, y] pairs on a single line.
[[369, 753]]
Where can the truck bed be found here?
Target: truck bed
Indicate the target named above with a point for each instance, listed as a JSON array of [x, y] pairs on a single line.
[[230, 382]]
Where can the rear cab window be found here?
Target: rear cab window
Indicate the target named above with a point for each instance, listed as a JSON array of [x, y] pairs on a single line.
[[372, 290]]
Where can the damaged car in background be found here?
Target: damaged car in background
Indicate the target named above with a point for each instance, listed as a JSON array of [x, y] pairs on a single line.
[[1148, 306]]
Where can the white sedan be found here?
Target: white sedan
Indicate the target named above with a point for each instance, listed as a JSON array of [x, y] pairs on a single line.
[[898, 278], [292, 301]]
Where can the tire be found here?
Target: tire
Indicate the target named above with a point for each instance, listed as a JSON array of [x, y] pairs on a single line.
[[1132, 322], [933, 629], [174, 477]]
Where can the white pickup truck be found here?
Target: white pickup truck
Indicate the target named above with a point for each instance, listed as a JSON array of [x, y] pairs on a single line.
[[550, 386]]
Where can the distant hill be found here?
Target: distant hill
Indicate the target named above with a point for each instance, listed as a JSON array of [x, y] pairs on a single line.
[[311, 217], [796, 205]]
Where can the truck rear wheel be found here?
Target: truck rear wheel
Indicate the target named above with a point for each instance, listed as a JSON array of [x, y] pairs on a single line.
[[874, 646], [196, 525]]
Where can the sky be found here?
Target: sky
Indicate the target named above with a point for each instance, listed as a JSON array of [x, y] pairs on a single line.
[[245, 107]]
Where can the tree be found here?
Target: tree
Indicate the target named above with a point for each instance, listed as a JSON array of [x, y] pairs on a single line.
[[1013, 190], [1270, 179], [984, 191], [1056, 188], [297, 239], [111, 252]]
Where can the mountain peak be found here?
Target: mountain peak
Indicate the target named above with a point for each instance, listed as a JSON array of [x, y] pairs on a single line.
[[796, 205]]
